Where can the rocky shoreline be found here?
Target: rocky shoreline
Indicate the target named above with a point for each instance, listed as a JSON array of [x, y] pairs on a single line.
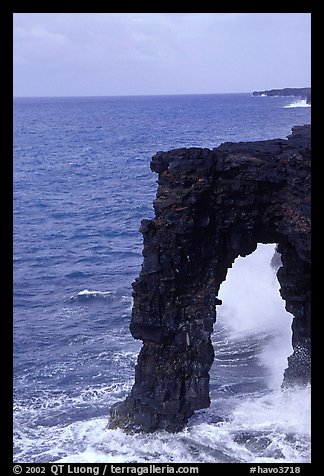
[[303, 93]]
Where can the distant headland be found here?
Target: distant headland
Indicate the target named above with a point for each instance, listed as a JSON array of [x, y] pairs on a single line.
[[303, 93]]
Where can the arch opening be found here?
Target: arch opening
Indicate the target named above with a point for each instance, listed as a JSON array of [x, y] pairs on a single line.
[[253, 328]]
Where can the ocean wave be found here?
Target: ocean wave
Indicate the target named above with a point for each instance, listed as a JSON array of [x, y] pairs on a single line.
[[86, 295], [58, 401], [271, 427], [299, 103]]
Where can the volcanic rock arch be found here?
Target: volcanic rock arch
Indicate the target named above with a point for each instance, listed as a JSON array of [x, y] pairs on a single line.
[[212, 206]]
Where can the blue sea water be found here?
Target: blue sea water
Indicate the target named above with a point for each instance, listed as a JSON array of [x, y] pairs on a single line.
[[82, 184]]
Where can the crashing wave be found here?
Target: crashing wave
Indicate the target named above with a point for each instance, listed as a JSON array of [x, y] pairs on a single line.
[[299, 103]]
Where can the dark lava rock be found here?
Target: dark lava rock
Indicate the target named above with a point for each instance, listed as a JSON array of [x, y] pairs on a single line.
[[212, 206]]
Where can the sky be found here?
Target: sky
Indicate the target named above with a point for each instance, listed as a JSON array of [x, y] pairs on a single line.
[[113, 54]]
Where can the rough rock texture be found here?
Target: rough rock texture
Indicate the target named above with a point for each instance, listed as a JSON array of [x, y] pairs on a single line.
[[303, 93], [212, 206]]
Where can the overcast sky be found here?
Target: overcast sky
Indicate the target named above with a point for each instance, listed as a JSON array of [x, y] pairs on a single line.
[[103, 54]]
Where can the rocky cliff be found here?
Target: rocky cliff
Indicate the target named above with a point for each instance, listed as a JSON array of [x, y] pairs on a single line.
[[303, 93], [212, 206]]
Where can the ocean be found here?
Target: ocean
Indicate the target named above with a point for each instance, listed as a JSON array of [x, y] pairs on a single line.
[[82, 184]]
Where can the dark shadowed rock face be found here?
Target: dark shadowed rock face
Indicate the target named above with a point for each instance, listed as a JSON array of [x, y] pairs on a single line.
[[212, 206]]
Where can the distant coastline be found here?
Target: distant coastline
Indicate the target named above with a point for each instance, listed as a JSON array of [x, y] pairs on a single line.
[[303, 93]]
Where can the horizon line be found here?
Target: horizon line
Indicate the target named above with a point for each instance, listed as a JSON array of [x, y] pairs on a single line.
[[127, 95], [143, 95]]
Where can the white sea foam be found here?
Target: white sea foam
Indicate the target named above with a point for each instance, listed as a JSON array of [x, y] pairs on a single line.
[[299, 103], [266, 427], [271, 428], [56, 403], [86, 292]]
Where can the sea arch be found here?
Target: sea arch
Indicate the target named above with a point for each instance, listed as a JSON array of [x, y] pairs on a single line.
[[211, 207]]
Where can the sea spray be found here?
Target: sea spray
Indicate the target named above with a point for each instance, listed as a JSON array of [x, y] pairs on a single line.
[[299, 103], [252, 305]]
